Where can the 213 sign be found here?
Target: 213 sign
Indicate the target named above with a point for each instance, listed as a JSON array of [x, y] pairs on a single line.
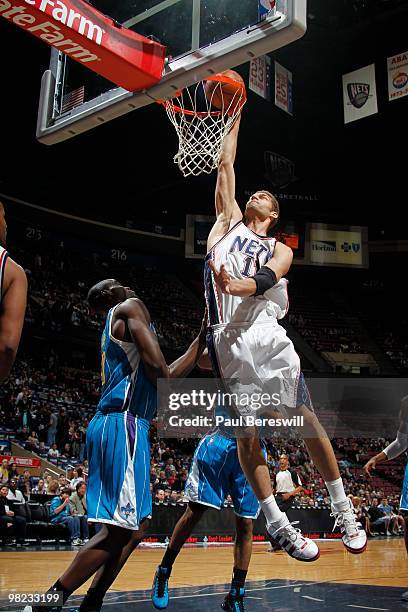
[[33, 233]]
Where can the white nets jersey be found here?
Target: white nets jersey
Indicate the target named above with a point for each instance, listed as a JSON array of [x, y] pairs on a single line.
[[3, 259], [243, 253]]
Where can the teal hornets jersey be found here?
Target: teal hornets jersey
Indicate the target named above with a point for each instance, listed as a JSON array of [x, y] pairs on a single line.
[[125, 386]]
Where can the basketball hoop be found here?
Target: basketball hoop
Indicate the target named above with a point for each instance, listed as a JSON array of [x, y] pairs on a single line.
[[201, 129]]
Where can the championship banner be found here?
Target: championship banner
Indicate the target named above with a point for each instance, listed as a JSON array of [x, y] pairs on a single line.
[[359, 94], [338, 246], [26, 462], [77, 29], [398, 76], [283, 89], [260, 76]]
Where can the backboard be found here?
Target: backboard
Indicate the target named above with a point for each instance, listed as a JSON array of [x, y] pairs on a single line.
[[202, 37]]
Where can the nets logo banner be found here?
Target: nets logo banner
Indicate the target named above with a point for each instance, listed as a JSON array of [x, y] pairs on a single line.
[[283, 89], [339, 247], [260, 76], [359, 94], [398, 76]]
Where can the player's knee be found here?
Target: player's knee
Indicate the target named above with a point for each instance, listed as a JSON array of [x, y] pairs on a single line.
[[244, 527]]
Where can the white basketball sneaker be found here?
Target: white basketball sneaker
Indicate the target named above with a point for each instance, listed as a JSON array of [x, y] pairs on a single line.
[[352, 533], [293, 542]]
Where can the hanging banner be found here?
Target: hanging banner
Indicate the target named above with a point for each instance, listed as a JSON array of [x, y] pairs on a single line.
[[398, 76], [283, 89], [260, 76], [359, 94]]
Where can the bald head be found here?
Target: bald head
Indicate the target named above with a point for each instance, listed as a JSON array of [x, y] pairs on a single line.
[[107, 293]]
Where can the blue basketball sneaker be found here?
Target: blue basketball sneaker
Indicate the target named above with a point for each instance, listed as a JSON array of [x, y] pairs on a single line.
[[160, 588], [234, 601]]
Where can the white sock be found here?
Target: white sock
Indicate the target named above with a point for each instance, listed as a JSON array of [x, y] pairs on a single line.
[[272, 513], [337, 494]]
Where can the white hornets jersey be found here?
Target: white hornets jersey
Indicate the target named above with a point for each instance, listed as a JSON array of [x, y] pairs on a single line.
[[243, 253]]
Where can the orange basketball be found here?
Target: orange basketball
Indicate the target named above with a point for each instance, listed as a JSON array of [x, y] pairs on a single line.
[[225, 95]]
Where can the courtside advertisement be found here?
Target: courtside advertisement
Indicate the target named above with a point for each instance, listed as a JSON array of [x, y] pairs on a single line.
[[397, 76], [335, 246]]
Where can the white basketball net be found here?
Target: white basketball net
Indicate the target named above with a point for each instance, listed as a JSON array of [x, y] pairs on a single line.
[[202, 132]]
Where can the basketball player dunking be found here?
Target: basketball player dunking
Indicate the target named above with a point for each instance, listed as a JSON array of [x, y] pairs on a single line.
[[118, 447], [13, 299], [392, 451], [245, 340]]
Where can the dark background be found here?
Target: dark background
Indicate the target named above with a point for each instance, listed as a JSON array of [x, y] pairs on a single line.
[[125, 169]]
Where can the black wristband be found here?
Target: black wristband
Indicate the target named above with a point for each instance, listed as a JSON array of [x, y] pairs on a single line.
[[265, 278]]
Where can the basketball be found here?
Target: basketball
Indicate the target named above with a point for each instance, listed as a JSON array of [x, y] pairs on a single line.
[[223, 95]]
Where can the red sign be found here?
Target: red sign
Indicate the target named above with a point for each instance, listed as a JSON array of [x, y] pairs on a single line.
[[26, 462], [77, 29]]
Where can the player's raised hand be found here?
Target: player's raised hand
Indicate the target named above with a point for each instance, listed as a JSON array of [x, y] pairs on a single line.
[[370, 465], [221, 277]]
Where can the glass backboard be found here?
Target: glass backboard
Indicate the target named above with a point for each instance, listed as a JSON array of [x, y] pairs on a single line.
[[202, 37]]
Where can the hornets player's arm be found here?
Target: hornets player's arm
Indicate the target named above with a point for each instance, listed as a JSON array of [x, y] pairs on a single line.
[[138, 323], [227, 210], [264, 279], [397, 446], [137, 319], [12, 313]]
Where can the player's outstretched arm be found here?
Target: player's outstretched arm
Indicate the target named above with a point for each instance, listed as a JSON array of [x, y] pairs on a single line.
[[184, 364], [12, 315], [263, 280], [149, 348], [226, 208]]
